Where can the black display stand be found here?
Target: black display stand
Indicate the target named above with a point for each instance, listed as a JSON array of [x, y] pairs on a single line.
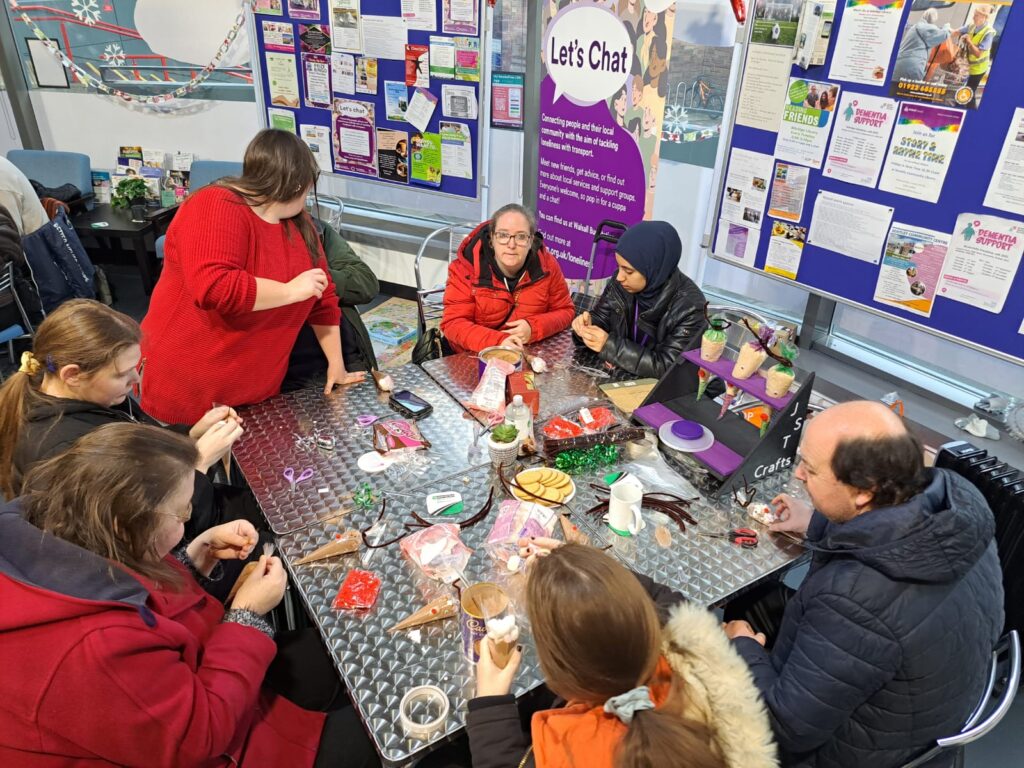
[[740, 452]]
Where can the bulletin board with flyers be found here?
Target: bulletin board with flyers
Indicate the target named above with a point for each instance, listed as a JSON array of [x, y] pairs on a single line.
[[386, 91], [875, 156]]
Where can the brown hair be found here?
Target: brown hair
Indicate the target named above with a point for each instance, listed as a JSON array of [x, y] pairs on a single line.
[[277, 168], [598, 635], [103, 492], [526, 213], [81, 332]]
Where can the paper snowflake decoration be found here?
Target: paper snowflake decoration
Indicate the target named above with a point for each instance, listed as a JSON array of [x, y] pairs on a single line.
[[675, 118], [113, 54], [87, 11]]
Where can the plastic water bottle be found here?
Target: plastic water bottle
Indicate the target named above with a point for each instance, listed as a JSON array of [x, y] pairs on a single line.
[[520, 415]]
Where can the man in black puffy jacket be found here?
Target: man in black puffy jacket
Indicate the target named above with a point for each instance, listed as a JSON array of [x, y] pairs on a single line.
[[885, 646]]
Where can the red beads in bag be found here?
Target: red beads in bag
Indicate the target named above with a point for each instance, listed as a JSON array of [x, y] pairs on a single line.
[[559, 429], [358, 590]]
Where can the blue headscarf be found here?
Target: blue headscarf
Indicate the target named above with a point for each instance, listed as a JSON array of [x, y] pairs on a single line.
[[653, 249]]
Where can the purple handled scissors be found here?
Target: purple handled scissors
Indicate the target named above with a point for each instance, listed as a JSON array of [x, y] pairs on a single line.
[[289, 475]]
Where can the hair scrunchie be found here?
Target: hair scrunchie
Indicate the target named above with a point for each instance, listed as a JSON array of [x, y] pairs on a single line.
[[29, 364], [626, 705]]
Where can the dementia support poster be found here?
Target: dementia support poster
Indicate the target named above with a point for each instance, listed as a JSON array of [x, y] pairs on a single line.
[[602, 102], [984, 257], [947, 52]]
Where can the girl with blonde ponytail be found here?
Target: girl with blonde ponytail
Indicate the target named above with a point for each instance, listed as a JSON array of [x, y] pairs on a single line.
[[636, 694], [80, 375]]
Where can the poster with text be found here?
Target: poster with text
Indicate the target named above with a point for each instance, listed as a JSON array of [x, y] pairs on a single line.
[[366, 75], [317, 74], [1006, 189], [983, 260], [736, 242], [281, 119], [346, 26], [921, 150], [864, 43], [268, 7], [912, 266], [279, 36], [806, 121], [396, 100], [746, 187], [460, 17], [863, 126], [393, 155], [343, 72], [507, 99], [763, 91], [420, 14], [417, 66], [456, 150], [788, 191], [355, 142], [283, 81], [785, 249], [947, 52], [304, 9], [776, 22], [425, 150], [602, 104], [849, 225], [314, 38], [318, 139]]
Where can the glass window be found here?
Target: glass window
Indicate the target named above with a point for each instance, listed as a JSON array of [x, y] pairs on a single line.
[[739, 286]]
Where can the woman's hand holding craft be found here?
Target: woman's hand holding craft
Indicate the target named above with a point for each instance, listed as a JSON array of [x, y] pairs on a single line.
[[216, 442], [491, 680], [264, 588]]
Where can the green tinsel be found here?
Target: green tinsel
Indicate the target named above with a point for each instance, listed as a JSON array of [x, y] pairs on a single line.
[[365, 498], [577, 462]]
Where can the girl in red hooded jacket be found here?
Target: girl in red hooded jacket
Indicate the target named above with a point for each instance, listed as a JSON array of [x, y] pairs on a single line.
[[504, 287]]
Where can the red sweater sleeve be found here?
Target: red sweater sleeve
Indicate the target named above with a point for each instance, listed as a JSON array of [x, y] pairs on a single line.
[[210, 236], [458, 321], [560, 307]]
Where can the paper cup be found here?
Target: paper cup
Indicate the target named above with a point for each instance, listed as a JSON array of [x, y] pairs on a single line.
[[748, 361], [471, 615], [510, 355]]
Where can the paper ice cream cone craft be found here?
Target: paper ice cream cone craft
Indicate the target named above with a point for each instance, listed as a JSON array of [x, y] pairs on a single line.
[[750, 358], [268, 550], [435, 610], [731, 390], [762, 513], [712, 343], [340, 544], [502, 634], [704, 377], [779, 378]]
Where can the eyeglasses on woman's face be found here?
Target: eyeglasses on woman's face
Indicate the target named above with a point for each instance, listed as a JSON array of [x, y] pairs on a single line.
[[181, 517], [521, 238]]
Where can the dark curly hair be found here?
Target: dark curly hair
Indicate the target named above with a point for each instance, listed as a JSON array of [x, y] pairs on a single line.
[[890, 467]]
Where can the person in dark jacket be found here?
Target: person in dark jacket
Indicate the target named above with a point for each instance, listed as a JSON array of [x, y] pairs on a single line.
[[504, 287], [356, 284], [79, 376], [885, 646], [651, 313], [633, 692]]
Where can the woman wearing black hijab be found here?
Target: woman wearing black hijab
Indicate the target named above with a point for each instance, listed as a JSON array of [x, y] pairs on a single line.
[[651, 312]]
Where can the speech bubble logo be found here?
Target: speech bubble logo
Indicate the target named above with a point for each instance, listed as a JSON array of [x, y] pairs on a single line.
[[657, 6], [588, 52]]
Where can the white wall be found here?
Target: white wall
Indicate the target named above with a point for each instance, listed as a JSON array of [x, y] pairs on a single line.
[[9, 136], [98, 125]]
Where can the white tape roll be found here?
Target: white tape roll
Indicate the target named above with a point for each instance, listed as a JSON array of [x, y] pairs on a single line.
[[425, 698]]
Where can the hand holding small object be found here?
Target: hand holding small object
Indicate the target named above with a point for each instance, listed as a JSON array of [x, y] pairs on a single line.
[[580, 322], [264, 587], [594, 337], [793, 515], [734, 629], [307, 285], [211, 417], [491, 680], [216, 442], [532, 548]]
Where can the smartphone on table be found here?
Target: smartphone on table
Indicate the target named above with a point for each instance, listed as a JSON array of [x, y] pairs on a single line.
[[410, 405]]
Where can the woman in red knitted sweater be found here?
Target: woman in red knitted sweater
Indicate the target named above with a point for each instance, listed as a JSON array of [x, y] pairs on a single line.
[[243, 271]]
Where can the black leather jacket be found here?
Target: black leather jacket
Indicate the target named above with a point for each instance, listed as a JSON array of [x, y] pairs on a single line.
[[675, 322]]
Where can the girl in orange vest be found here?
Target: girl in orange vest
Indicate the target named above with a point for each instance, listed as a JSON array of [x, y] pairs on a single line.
[[635, 694]]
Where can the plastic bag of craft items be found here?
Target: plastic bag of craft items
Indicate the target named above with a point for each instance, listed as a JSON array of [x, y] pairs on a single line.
[[518, 520], [438, 551], [642, 460], [489, 395]]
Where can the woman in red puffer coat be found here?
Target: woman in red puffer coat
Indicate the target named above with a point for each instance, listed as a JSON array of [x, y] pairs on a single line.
[[505, 287]]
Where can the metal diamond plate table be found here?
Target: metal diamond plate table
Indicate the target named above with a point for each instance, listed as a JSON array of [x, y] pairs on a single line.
[[379, 667], [565, 386], [275, 429]]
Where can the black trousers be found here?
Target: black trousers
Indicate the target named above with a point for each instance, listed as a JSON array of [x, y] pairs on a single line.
[[304, 673], [762, 607]]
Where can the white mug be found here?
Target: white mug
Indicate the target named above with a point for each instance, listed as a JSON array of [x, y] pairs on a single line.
[[624, 516]]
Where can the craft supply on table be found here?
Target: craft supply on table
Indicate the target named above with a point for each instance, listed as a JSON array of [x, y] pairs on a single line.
[[397, 434], [293, 479], [437, 609], [743, 537], [373, 462], [517, 520], [762, 513], [477, 602], [445, 503], [359, 591], [365, 497], [579, 461], [627, 396], [438, 551], [383, 381], [340, 544], [685, 435], [423, 712]]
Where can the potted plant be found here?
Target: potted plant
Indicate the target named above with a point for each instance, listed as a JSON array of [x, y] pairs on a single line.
[[131, 191], [503, 445]]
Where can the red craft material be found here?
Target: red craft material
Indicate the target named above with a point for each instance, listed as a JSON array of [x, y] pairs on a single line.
[[358, 590], [559, 429]]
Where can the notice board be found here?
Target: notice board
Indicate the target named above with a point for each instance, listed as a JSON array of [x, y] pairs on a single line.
[[922, 145], [348, 75]]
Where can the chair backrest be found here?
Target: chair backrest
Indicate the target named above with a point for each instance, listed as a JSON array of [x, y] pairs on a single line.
[[1000, 691], [52, 168], [7, 289], [206, 172]]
